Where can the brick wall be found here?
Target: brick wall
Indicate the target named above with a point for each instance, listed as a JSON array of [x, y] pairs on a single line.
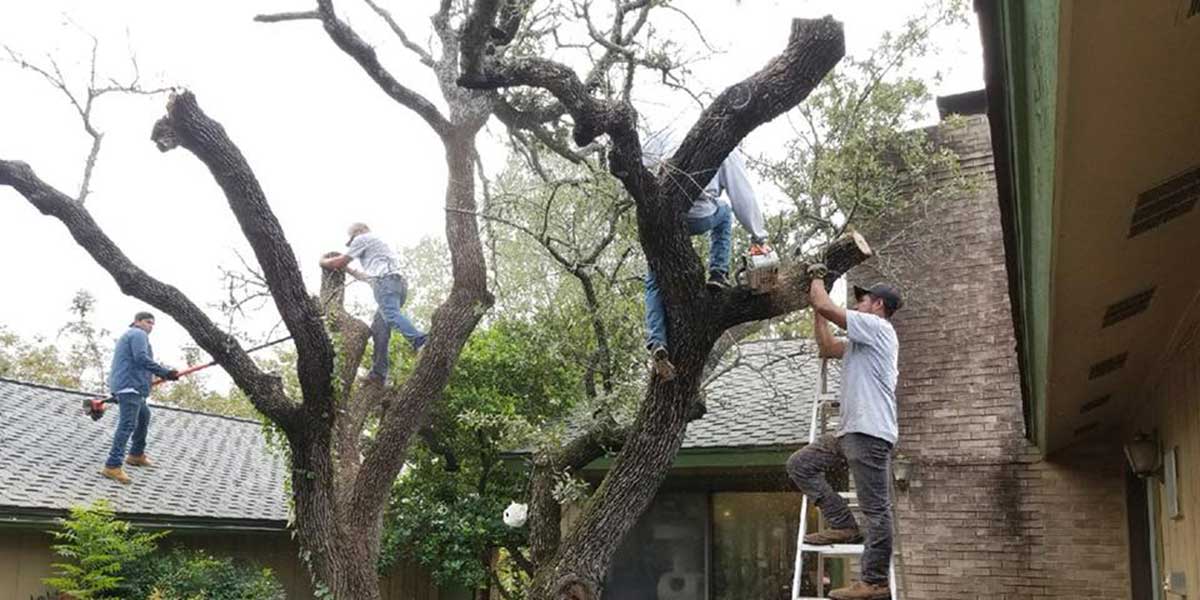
[[985, 516]]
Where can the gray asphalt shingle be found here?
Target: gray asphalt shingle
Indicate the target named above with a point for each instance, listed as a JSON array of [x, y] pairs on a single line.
[[207, 466], [763, 396]]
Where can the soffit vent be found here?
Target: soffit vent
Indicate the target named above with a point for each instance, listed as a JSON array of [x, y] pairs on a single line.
[[1175, 197], [1128, 307], [1090, 427], [1091, 405], [1107, 365]]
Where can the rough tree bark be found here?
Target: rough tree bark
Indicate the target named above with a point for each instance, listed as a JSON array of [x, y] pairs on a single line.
[[574, 568]]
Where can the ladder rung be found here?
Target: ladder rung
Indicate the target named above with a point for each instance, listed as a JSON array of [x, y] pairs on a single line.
[[833, 549]]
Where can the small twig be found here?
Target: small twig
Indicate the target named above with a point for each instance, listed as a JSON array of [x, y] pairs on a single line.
[[423, 54], [288, 16]]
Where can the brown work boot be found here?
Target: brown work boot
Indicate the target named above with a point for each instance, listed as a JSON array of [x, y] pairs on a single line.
[[834, 536], [138, 460], [660, 361], [860, 590], [116, 474]]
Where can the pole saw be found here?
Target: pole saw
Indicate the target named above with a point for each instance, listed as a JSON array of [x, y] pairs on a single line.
[[95, 407]]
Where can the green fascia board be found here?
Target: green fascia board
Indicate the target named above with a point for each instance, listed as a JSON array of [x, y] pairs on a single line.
[[15, 517], [716, 458], [1029, 33]]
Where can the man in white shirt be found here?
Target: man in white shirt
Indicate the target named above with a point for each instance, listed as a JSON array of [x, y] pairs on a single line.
[[867, 429], [382, 269]]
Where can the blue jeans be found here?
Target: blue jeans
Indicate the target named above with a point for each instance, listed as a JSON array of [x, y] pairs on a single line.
[[719, 228], [390, 293], [135, 421], [869, 459]]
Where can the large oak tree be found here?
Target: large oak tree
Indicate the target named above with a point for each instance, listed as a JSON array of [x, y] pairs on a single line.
[[341, 479]]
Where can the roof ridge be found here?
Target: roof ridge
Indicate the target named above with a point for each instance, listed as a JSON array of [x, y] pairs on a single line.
[[156, 405]]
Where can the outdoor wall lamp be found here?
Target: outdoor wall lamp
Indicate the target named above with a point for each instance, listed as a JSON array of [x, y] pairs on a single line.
[[1143, 455], [901, 471]]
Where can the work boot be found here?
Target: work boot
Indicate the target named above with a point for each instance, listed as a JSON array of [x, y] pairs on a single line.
[[116, 474], [860, 590], [717, 281], [138, 460], [834, 536], [660, 361]]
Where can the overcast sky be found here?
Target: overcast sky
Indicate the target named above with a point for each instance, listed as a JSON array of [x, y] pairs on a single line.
[[328, 147]]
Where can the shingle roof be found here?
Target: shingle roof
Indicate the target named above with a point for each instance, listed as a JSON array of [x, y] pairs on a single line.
[[762, 396], [207, 466]]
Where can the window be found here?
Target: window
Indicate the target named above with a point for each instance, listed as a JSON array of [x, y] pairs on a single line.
[[664, 557], [717, 546]]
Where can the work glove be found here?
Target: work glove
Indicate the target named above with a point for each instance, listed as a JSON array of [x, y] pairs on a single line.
[[759, 249], [817, 271], [172, 375]]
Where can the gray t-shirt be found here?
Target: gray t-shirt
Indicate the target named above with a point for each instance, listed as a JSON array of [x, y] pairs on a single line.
[[868, 393], [377, 258]]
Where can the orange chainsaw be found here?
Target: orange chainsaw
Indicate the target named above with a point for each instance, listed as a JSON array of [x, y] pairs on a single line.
[[760, 269], [95, 407]]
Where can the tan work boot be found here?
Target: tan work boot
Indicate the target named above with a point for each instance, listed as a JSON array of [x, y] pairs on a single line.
[[116, 474], [661, 363], [138, 460], [862, 591], [834, 536]]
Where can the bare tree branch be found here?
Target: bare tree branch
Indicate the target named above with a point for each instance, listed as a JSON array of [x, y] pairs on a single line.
[[306, 15], [366, 57], [423, 54], [84, 107], [265, 391]]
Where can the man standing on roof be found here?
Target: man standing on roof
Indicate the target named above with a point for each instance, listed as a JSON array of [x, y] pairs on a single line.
[[867, 429], [129, 380], [382, 266], [708, 215]]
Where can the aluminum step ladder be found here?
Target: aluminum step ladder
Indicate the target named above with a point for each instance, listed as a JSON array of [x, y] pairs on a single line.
[[825, 406]]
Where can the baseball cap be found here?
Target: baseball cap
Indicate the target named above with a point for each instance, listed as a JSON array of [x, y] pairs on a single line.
[[355, 230], [141, 316], [889, 294]]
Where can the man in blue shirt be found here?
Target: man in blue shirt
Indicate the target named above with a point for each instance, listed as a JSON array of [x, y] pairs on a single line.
[[129, 380]]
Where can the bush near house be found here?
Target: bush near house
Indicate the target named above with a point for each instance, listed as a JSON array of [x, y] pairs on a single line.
[[105, 557]]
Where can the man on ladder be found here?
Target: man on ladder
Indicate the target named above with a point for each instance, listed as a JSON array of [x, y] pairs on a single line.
[[866, 432]]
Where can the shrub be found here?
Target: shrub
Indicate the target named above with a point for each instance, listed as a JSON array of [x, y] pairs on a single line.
[[96, 547], [108, 558], [185, 573]]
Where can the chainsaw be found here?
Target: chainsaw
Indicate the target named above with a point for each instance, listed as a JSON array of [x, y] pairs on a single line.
[[760, 269], [95, 407]]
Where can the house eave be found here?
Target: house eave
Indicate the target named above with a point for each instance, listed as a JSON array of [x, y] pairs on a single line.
[[26, 517]]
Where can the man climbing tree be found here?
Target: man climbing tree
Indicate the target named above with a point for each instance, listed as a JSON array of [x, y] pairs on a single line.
[[707, 215], [389, 286]]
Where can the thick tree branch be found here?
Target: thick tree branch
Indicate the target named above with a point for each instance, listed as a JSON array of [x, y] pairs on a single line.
[[791, 291], [593, 116], [813, 49], [265, 391], [186, 125]]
